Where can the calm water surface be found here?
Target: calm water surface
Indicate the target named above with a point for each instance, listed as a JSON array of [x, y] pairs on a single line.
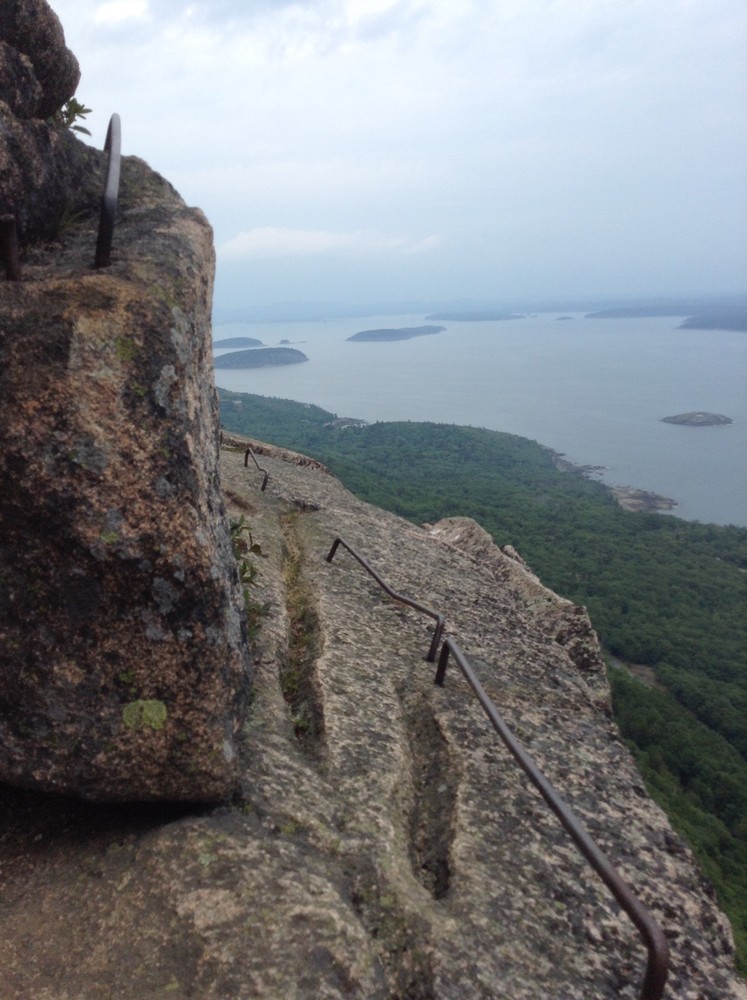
[[593, 389]]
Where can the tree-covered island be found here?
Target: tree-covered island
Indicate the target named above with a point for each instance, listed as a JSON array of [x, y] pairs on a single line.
[[260, 357]]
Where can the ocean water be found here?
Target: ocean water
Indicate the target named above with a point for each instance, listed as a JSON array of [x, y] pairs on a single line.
[[593, 389]]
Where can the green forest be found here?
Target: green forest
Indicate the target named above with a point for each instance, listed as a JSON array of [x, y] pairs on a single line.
[[665, 595]]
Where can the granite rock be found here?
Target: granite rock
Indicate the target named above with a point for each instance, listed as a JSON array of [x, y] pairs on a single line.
[[383, 844], [47, 176], [123, 656], [33, 30]]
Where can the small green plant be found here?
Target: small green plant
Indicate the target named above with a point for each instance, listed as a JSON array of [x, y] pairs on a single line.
[[69, 217], [244, 547], [68, 115]]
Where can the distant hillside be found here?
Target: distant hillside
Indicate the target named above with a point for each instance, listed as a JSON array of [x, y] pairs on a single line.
[[714, 318], [475, 316], [731, 320]]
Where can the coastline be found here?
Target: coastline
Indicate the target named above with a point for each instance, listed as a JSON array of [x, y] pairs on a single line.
[[628, 497]]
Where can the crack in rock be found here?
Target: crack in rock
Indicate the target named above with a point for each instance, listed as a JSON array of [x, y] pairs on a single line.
[[435, 787], [298, 679]]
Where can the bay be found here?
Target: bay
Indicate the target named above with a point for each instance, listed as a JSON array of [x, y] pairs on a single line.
[[594, 390]]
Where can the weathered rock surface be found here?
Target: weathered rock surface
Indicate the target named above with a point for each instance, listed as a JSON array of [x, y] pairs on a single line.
[[631, 498], [123, 659], [47, 177], [384, 845], [32, 31]]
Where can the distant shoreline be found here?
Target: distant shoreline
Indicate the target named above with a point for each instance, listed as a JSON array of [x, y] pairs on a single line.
[[475, 316], [398, 333], [717, 319], [628, 497]]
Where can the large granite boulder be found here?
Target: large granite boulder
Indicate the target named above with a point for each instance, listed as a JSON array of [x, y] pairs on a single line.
[[123, 657], [47, 177], [38, 73]]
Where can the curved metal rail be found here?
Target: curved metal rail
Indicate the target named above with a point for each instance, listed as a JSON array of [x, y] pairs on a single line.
[[110, 196], [439, 618], [249, 452], [657, 967]]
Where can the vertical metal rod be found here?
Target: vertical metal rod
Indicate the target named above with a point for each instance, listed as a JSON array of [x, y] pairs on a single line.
[[436, 615], [110, 195], [657, 965], [249, 452], [9, 247]]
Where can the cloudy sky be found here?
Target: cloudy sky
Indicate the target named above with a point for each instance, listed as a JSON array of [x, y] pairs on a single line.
[[384, 150]]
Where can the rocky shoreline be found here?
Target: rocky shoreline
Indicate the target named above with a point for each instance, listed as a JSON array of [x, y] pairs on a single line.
[[628, 497]]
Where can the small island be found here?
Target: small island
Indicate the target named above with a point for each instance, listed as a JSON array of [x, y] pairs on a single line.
[[403, 333], [237, 342], [261, 357], [697, 418]]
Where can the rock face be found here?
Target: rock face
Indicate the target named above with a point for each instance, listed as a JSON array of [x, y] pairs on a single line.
[[39, 72], [46, 176], [123, 657], [384, 845]]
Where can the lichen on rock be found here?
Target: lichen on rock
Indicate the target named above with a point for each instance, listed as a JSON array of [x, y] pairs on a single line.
[[145, 714]]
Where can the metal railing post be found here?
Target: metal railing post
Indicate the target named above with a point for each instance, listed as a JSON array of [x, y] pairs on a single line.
[[110, 196], [437, 616], [657, 966], [249, 452]]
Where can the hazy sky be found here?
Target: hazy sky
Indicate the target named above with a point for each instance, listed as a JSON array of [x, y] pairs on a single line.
[[364, 150]]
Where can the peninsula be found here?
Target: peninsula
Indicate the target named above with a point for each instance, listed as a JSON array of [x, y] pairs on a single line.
[[260, 357], [697, 418], [401, 333]]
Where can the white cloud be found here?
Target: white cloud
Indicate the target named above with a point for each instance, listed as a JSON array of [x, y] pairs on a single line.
[[270, 241], [525, 130], [114, 11]]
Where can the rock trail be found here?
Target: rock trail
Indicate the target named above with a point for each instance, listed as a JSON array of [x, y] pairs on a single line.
[[382, 845]]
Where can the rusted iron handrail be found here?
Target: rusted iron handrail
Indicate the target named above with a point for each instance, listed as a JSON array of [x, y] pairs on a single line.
[[9, 247], [249, 452], [110, 196], [657, 966], [439, 618]]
